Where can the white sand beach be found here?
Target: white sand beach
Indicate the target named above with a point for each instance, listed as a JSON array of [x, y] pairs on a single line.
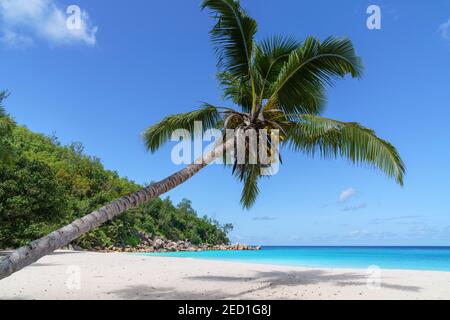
[[86, 275]]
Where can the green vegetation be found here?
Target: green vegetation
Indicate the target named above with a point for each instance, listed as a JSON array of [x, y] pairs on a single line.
[[47, 185], [6, 127]]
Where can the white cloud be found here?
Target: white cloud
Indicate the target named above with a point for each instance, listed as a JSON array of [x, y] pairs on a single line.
[[347, 193], [356, 233], [355, 208], [265, 218], [370, 235], [397, 220], [15, 40], [444, 29], [24, 21]]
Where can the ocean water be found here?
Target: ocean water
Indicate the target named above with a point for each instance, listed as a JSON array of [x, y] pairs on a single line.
[[413, 258]]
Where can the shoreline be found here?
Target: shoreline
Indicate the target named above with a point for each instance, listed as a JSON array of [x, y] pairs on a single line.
[[137, 276], [156, 254], [151, 243]]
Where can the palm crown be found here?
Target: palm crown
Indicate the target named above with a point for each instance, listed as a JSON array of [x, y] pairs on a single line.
[[279, 84]]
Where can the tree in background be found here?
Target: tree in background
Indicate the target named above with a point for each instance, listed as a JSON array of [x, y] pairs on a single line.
[[6, 127], [48, 185]]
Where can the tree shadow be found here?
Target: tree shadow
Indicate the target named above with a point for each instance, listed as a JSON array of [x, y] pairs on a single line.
[[39, 264], [58, 253], [14, 298], [144, 292], [55, 253], [262, 281], [276, 279], [291, 278], [383, 285]]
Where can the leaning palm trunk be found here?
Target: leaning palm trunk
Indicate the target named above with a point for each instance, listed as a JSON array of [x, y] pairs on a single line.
[[29, 254]]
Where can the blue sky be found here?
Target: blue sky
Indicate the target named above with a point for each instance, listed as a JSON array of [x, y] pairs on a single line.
[[134, 62]]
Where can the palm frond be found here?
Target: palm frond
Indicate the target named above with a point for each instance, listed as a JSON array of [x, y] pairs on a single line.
[[238, 90], [301, 81], [270, 56], [232, 36], [3, 95], [6, 125], [250, 190], [331, 139], [158, 134], [6, 122]]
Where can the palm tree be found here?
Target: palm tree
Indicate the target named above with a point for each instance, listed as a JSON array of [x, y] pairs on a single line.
[[6, 127], [278, 85]]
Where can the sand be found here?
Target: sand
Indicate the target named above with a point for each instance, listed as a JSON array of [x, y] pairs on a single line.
[[86, 275]]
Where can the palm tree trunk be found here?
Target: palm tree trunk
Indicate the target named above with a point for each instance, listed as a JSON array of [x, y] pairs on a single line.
[[29, 254]]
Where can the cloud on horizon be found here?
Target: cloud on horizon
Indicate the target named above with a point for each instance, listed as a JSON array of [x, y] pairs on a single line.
[[355, 208], [25, 21], [370, 235], [265, 218], [346, 194], [393, 219]]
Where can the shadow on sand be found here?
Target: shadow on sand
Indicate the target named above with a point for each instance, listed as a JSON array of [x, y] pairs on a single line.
[[261, 281]]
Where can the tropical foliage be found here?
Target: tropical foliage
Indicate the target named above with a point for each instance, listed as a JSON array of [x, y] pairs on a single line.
[[47, 185], [6, 127], [278, 84]]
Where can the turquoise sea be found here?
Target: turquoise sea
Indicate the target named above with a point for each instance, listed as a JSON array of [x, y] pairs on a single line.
[[414, 258]]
